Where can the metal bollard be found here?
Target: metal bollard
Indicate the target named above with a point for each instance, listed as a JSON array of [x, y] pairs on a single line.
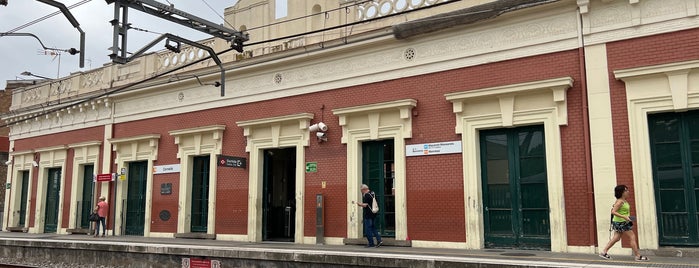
[[320, 219]]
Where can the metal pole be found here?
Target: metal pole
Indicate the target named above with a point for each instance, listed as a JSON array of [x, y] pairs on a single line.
[[78, 215], [123, 217], [114, 210]]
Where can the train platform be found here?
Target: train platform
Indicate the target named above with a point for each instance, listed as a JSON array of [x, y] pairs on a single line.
[[51, 250]]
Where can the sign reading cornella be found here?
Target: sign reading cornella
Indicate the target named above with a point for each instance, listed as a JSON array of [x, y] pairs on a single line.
[[164, 169], [447, 147]]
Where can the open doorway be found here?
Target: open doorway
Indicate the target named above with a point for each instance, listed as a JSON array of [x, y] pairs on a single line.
[[378, 172], [279, 198]]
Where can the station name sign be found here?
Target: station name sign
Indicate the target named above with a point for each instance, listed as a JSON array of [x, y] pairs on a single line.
[[447, 147], [165, 169], [231, 161]]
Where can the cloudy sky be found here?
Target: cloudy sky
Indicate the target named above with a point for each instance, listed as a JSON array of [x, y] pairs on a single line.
[[19, 54]]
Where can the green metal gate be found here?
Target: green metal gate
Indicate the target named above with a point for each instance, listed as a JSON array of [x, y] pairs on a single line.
[[515, 195], [53, 188], [200, 194], [23, 198], [674, 139], [87, 196], [378, 174], [136, 198]]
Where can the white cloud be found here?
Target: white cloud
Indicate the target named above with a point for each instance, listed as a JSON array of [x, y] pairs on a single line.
[[18, 54]]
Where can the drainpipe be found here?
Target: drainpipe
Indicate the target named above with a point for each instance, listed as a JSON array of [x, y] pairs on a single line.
[[586, 130]]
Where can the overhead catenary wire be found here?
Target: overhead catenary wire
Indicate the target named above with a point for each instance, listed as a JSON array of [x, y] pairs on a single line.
[[128, 86], [109, 92], [46, 17], [217, 14], [144, 30]]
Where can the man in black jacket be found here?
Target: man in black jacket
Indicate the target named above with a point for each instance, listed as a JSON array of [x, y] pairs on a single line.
[[369, 217]]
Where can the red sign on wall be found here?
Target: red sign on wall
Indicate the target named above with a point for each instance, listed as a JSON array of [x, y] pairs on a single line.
[[199, 263], [105, 177]]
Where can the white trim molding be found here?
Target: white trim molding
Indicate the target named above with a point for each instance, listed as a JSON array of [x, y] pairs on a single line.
[[130, 149], [21, 161], [653, 89], [197, 142], [50, 157], [538, 102], [601, 139], [387, 120], [270, 133], [85, 153]]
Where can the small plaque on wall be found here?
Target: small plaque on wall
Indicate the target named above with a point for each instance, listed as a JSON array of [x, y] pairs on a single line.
[[166, 188]]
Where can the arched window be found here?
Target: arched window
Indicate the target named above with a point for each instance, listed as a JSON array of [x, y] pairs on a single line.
[[317, 18]]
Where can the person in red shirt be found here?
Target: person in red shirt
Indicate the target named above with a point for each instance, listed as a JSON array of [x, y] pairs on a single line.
[[101, 209]]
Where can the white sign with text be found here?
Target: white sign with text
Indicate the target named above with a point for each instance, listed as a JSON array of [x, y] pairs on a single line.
[[447, 147], [164, 169]]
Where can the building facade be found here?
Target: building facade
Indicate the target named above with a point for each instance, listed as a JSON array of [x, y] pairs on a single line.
[[505, 130], [5, 102]]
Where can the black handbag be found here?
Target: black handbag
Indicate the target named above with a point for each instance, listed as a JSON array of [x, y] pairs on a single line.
[[94, 217]]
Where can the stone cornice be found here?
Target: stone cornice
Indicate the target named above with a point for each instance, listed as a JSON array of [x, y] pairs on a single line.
[[195, 130], [23, 152], [277, 119], [656, 69], [116, 141], [52, 148], [85, 144]]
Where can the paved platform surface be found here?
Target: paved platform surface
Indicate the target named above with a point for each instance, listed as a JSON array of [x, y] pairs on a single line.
[[400, 255]]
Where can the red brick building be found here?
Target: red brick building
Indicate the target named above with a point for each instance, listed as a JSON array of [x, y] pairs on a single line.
[[505, 132]]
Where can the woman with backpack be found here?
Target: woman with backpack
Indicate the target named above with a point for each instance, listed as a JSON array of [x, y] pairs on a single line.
[[622, 223], [368, 200]]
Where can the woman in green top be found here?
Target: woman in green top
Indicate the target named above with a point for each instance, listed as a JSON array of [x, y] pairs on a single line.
[[622, 223]]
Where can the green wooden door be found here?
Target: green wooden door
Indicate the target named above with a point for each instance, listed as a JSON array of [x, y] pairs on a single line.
[[515, 196], [23, 198], [86, 206], [378, 174], [136, 198], [53, 188], [200, 194], [674, 139]]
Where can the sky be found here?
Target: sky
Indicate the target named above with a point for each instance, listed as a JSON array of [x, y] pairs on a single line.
[[19, 54]]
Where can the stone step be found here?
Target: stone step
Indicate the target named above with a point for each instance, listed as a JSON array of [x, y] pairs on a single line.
[[677, 252], [386, 242], [195, 236]]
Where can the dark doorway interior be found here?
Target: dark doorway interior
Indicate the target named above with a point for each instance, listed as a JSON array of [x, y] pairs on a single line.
[[200, 194], [86, 206], [279, 187], [23, 199]]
